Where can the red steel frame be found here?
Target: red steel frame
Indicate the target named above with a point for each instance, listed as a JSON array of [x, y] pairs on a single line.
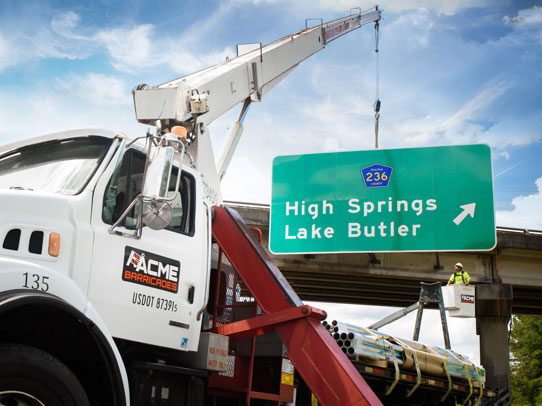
[[238, 387], [323, 366]]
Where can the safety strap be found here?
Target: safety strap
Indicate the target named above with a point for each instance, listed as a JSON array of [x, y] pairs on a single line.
[[418, 378], [445, 365], [443, 398], [397, 373], [470, 384], [467, 372], [479, 386], [462, 276]]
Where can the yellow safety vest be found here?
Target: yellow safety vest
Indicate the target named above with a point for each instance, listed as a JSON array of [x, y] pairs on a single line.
[[460, 277]]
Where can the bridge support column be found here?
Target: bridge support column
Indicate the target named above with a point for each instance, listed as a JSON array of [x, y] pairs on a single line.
[[493, 311]]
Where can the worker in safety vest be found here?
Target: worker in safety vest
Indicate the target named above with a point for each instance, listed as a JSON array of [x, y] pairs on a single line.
[[459, 276]]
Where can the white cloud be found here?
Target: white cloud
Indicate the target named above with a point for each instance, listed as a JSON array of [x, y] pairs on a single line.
[[527, 211], [188, 62], [440, 7], [64, 23], [30, 42], [129, 48], [526, 31], [337, 115], [473, 107], [47, 44], [97, 89], [458, 127], [525, 18], [500, 154], [344, 110], [448, 7], [420, 23], [506, 155], [505, 134], [7, 57], [59, 108], [257, 2], [447, 127], [331, 145], [414, 110], [177, 51], [244, 181], [138, 47]]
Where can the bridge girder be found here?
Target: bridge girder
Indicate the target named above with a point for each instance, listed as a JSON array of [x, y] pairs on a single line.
[[393, 279]]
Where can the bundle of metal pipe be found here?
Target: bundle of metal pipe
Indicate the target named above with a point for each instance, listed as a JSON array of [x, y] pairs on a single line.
[[361, 344], [457, 364]]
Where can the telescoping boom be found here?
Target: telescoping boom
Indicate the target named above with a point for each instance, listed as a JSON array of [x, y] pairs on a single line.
[[211, 92], [196, 100]]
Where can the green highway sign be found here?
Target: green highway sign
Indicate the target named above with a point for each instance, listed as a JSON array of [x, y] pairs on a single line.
[[416, 199]]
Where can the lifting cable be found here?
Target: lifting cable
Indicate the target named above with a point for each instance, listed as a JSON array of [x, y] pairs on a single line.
[[376, 104]]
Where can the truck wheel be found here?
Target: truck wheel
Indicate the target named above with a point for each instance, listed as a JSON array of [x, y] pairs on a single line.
[[31, 377]]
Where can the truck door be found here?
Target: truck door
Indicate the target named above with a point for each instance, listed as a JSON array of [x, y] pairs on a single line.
[[150, 289]]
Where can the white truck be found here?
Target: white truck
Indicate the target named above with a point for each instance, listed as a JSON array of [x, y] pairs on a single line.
[[110, 293]]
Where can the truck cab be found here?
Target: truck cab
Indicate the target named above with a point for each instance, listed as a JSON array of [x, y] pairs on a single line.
[[61, 195]]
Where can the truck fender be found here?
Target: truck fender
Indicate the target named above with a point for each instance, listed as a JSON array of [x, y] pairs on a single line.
[[14, 300]]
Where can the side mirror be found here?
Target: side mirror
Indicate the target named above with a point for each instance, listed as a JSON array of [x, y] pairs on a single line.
[[153, 203], [158, 174], [157, 215], [158, 212]]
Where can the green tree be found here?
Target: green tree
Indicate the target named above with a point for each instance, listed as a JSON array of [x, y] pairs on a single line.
[[526, 360]]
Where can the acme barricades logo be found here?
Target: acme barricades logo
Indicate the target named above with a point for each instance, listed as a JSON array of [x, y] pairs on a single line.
[[376, 175], [148, 269]]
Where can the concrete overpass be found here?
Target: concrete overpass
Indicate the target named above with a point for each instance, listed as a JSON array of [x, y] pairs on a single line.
[[508, 280], [393, 279]]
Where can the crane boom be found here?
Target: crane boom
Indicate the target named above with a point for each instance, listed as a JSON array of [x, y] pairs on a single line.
[[211, 92], [201, 97]]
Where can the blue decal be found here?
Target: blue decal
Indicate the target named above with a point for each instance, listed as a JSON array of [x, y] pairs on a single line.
[[376, 175], [184, 342]]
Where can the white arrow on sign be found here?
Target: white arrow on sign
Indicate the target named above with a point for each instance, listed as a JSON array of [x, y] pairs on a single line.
[[468, 209]]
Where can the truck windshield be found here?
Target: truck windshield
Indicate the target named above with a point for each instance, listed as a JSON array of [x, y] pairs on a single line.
[[60, 166]]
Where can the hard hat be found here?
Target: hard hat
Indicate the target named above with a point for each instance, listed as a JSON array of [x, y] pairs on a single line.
[[459, 264]]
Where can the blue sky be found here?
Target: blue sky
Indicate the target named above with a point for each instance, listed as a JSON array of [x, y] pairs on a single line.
[[451, 72], [454, 72]]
